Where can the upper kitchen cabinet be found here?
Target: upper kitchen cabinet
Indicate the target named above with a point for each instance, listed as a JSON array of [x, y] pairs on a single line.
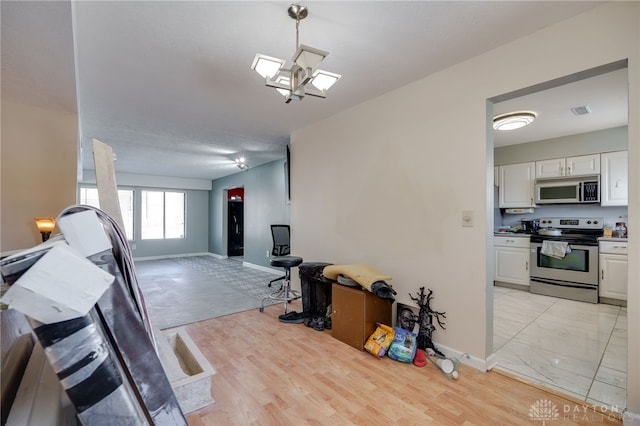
[[572, 166], [516, 185], [614, 179]]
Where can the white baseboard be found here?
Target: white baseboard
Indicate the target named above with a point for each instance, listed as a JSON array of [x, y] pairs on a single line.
[[466, 359], [263, 268], [492, 361], [217, 256], [630, 418], [172, 256]]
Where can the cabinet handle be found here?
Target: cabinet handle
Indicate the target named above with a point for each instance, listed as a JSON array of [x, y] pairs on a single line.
[[561, 170], [568, 170], [526, 265], [602, 274]]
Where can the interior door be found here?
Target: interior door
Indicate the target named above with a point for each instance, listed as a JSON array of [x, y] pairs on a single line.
[[235, 233]]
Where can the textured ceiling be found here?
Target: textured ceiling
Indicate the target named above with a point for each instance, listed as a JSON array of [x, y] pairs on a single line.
[[168, 84]]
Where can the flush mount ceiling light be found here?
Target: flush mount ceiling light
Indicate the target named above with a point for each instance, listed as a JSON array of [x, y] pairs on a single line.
[[513, 120], [303, 77]]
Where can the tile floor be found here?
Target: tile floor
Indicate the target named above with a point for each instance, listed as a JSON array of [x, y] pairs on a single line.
[[208, 286], [573, 347]]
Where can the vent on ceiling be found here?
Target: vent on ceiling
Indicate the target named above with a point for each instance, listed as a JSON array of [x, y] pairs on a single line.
[[581, 110]]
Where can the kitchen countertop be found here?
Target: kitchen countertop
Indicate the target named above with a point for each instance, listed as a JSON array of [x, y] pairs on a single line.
[[624, 240], [511, 234]]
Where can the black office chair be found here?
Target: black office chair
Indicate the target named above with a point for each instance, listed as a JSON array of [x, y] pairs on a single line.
[[281, 240], [281, 258]]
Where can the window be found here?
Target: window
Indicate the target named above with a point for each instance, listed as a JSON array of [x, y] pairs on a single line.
[[162, 215], [89, 197]]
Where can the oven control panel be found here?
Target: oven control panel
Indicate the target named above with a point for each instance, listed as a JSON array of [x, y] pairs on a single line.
[[572, 222]]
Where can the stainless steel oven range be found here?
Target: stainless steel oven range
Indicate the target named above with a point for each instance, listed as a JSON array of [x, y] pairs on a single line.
[[564, 258]]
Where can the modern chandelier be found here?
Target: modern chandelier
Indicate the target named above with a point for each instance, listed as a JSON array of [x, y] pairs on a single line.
[[303, 77]]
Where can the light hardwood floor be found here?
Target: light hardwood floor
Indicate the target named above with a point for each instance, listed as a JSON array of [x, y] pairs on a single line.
[[271, 373]]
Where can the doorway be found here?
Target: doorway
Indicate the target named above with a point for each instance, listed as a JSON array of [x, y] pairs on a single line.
[[235, 222], [572, 347]]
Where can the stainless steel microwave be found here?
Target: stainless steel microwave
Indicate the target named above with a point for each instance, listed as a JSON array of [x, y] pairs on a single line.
[[568, 190]]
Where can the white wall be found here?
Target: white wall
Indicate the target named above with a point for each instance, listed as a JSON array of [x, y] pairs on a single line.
[[386, 182], [39, 169]]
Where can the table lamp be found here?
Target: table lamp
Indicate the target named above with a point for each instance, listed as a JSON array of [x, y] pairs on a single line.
[[45, 226]]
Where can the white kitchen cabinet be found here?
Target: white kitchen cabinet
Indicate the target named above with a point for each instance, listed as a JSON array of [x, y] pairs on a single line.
[[614, 179], [613, 269], [516, 185], [581, 165], [550, 168], [511, 260]]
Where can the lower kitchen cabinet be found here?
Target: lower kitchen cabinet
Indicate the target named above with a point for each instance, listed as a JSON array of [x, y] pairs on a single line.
[[512, 260], [356, 313], [613, 270]]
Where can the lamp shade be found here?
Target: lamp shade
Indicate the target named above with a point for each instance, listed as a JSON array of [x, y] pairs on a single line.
[[284, 79], [266, 66], [45, 224], [308, 57], [323, 80]]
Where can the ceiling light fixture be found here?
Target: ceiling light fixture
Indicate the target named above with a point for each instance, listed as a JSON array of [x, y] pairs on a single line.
[[513, 120], [297, 81], [241, 163]]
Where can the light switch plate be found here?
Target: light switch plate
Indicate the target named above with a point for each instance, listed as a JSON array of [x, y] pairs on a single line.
[[467, 218]]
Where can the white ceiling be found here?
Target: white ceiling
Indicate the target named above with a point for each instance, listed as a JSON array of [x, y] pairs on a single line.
[[606, 96], [168, 84]]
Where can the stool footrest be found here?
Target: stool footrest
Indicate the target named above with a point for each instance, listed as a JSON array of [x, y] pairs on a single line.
[[285, 295]]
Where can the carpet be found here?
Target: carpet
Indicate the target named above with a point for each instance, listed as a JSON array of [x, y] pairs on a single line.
[[183, 290]]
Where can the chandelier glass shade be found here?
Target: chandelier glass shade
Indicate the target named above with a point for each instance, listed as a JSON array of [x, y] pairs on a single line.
[[266, 66], [303, 77]]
